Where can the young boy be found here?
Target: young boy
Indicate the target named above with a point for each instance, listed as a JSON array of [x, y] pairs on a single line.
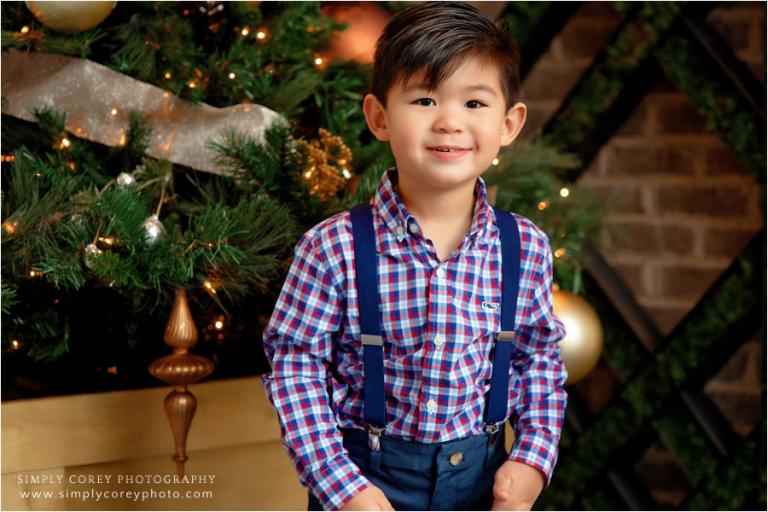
[[410, 329]]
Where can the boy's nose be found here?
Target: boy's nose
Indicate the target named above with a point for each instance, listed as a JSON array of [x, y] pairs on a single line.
[[447, 123]]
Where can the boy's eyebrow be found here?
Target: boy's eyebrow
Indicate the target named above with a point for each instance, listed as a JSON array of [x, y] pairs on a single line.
[[481, 87], [476, 87]]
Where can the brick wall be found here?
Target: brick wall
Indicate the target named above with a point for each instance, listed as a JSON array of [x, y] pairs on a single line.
[[568, 57], [681, 206]]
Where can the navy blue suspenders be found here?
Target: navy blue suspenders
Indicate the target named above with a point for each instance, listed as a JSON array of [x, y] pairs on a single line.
[[366, 280]]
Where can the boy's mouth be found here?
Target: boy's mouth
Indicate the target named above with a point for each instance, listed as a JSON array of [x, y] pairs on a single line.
[[447, 148], [448, 152]]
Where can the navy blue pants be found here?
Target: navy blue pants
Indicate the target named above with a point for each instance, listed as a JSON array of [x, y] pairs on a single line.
[[454, 475]]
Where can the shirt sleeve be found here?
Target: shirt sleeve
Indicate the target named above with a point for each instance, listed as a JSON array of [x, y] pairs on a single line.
[[539, 418], [298, 342]]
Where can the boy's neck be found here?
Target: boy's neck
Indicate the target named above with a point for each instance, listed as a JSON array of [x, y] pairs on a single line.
[[451, 208]]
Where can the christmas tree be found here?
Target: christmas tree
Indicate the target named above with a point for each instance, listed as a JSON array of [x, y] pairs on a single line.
[[156, 146]]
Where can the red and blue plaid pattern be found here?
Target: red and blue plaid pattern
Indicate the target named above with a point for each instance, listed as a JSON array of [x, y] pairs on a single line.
[[439, 321]]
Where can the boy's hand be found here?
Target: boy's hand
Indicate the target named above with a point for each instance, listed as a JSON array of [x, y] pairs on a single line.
[[516, 486], [370, 498]]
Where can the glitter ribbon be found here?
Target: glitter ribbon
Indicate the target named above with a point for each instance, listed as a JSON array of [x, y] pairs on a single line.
[[97, 102]]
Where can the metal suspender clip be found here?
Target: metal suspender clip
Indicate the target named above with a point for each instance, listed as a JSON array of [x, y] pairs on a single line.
[[492, 429], [374, 437], [506, 336]]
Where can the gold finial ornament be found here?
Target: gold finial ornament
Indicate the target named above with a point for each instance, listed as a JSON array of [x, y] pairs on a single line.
[[180, 369]]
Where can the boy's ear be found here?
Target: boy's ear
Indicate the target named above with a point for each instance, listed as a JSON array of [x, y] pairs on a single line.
[[513, 123], [376, 117]]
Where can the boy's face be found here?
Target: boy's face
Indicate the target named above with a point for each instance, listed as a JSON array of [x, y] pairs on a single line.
[[465, 114]]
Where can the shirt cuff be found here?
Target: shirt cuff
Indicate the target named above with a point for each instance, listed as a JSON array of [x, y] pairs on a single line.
[[337, 483], [537, 448]]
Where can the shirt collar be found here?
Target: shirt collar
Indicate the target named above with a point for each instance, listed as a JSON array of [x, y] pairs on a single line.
[[400, 222]]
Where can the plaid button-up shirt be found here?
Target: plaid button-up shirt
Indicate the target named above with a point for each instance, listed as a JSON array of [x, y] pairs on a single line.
[[438, 321]]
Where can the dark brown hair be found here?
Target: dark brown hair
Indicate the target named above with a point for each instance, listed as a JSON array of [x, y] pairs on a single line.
[[436, 37]]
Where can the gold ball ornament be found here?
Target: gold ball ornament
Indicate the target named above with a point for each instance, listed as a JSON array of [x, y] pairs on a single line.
[[583, 342], [71, 16]]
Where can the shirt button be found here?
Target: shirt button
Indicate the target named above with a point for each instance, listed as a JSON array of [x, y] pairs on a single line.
[[456, 458], [413, 228], [399, 230], [431, 405], [439, 340], [440, 272]]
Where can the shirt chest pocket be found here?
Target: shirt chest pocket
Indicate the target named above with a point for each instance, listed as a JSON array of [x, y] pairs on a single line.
[[475, 318]]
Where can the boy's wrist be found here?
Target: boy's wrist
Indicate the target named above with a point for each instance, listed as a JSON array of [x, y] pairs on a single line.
[[338, 482], [537, 449]]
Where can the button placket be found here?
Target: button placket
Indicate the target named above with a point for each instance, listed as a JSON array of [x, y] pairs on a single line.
[[400, 232]]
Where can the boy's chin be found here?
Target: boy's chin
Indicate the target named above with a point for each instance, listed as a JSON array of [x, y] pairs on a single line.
[[442, 176]]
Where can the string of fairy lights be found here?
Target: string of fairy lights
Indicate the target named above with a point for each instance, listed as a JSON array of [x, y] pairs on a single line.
[[327, 169]]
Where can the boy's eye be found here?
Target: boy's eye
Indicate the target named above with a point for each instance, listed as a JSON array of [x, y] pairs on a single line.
[[475, 102]]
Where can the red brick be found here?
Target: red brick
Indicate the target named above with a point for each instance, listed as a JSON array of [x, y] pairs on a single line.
[[735, 32], [742, 409], [600, 10], [736, 369], [643, 237], [658, 471], [632, 275], [551, 81], [678, 117], [679, 282], [617, 198], [716, 201], [583, 40], [666, 317], [623, 160], [720, 242], [721, 160]]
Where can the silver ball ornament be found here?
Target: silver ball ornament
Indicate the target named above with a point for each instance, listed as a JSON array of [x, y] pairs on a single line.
[[153, 230], [91, 253], [126, 179]]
